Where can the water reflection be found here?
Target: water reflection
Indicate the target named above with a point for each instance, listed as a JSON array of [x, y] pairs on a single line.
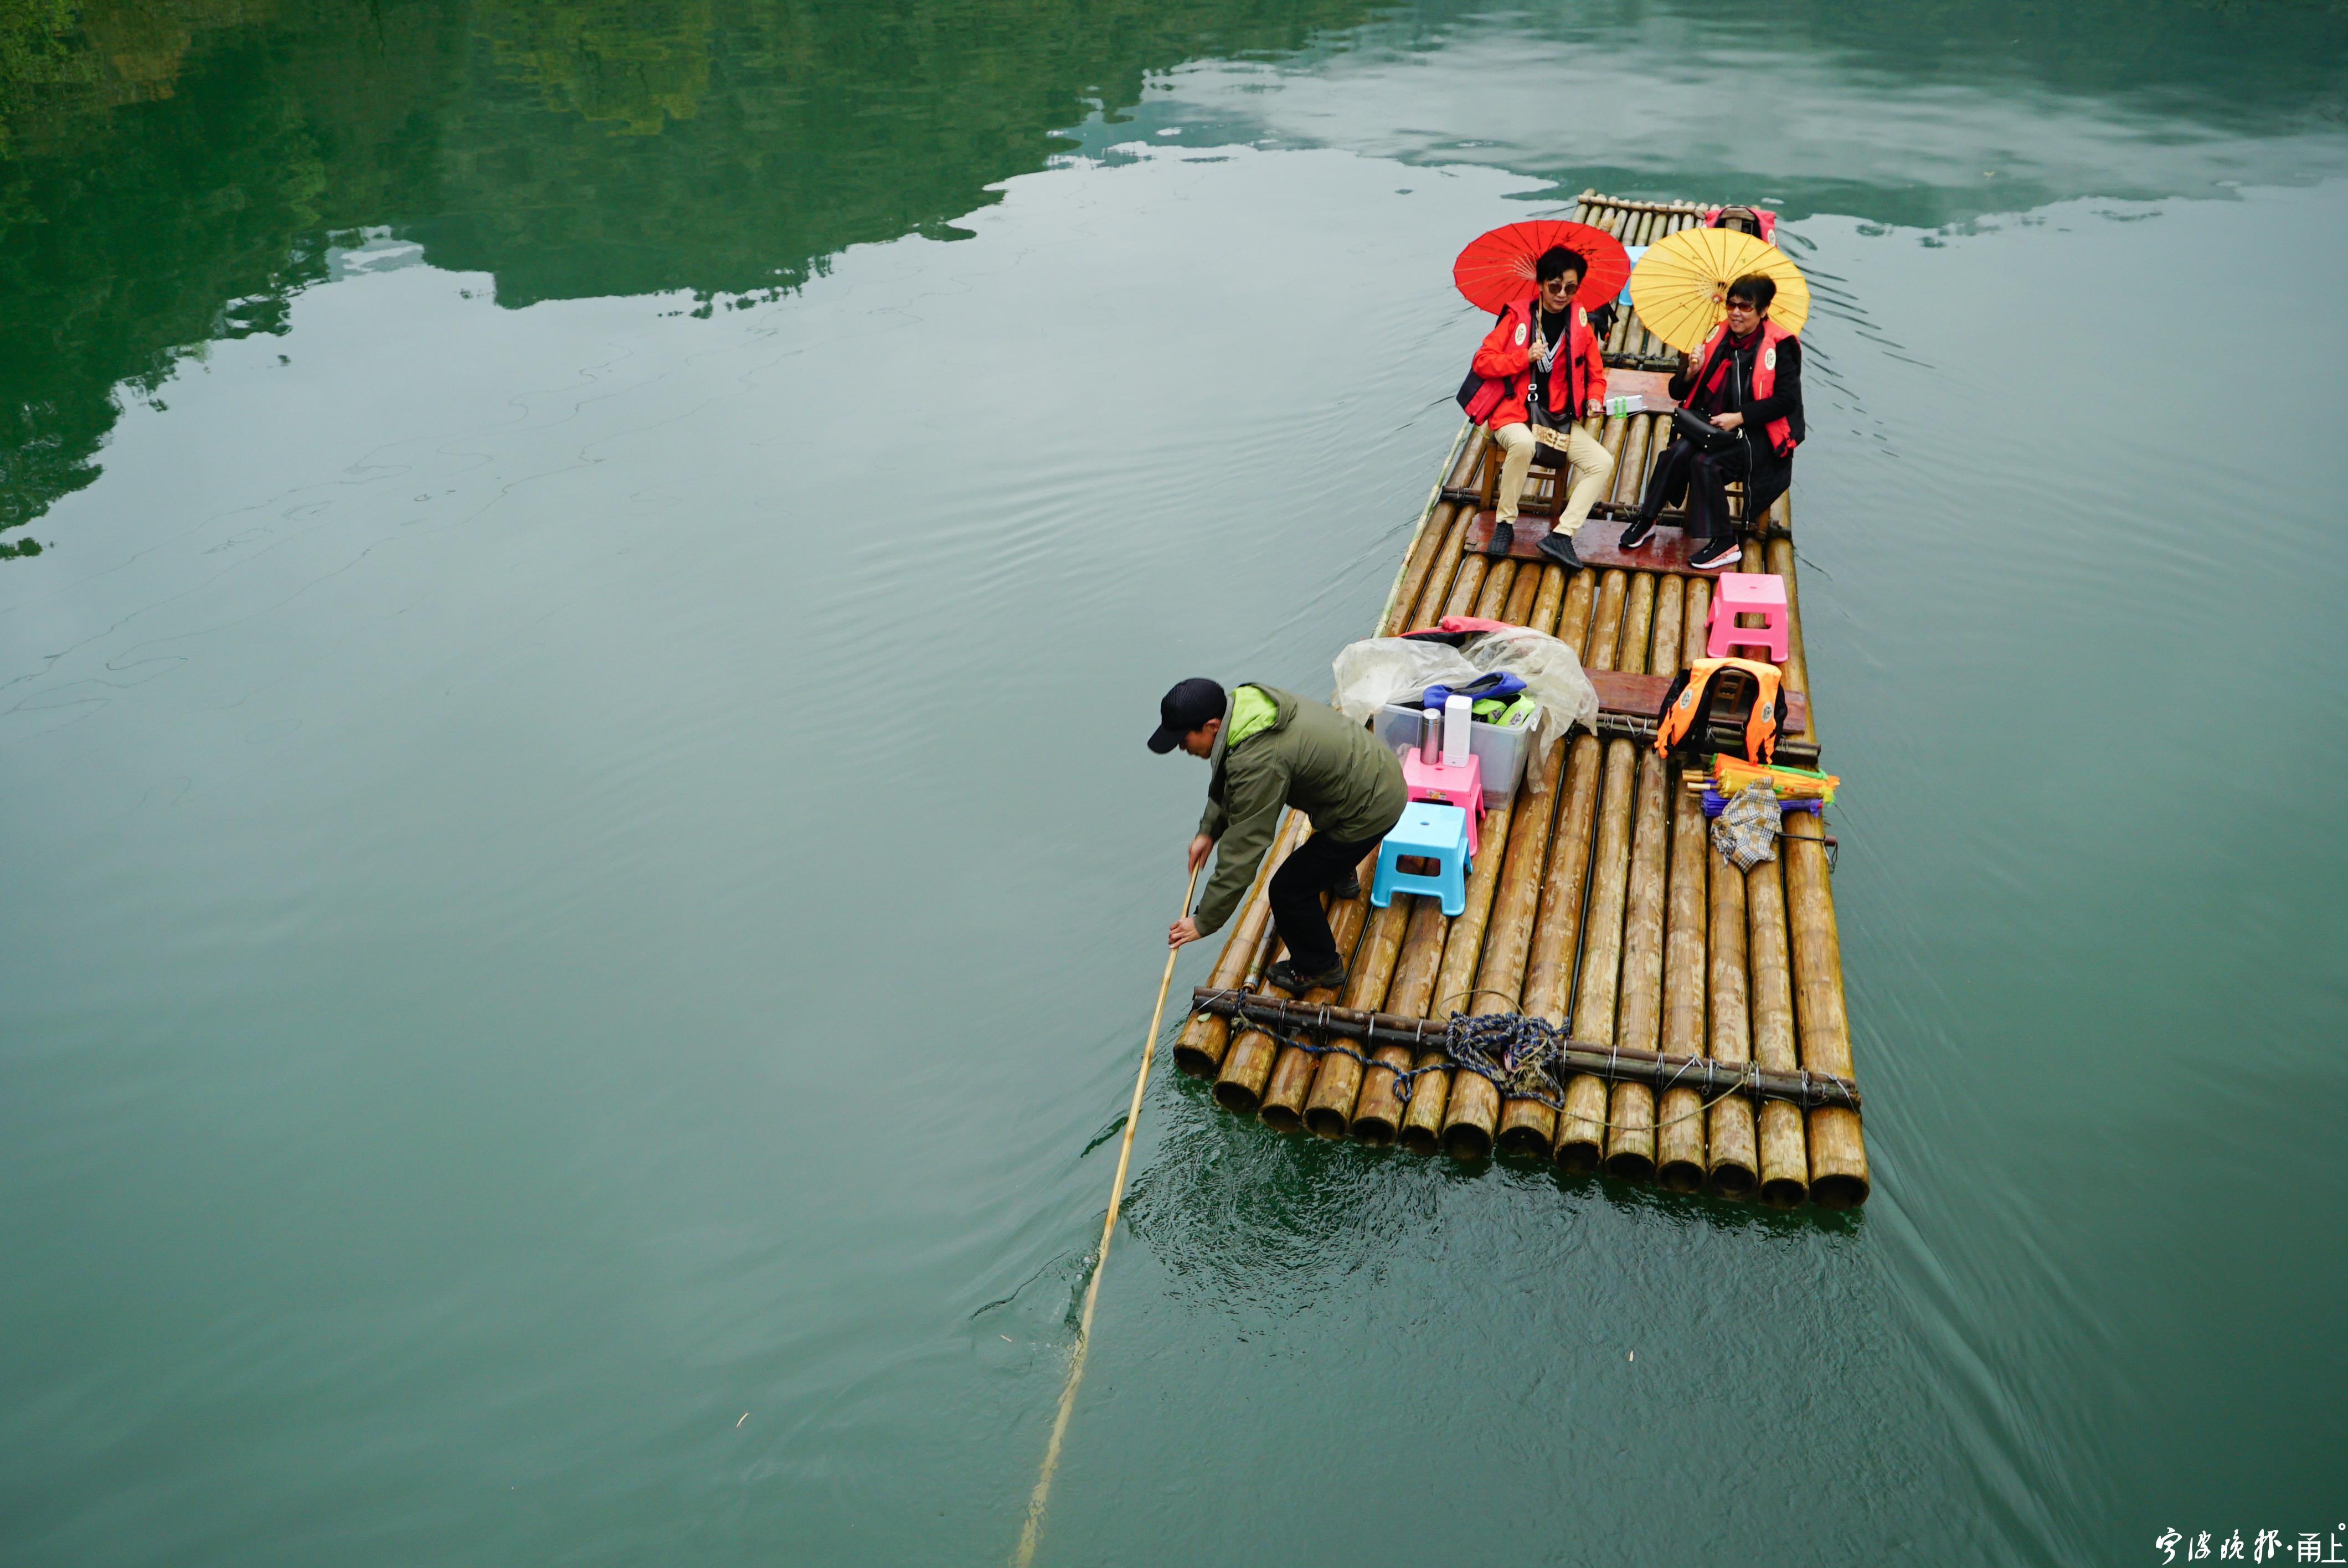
[[175, 168]]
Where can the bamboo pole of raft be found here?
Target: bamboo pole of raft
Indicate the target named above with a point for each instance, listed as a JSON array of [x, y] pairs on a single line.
[[1473, 1111], [1631, 467], [1573, 614], [1329, 1108], [1617, 224], [1735, 1159], [1466, 585], [1378, 1111], [1679, 1117], [1639, 1004], [1282, 1107], [1785, 1161], [1529, 1126], [1440, 571], [1419, 607], [1580, 1132], [1838, 1178], [1519, 610], [1780, 558], [1404, 597], [1422, 536], [1499, 579], [1198, 1049], [1455, 981], [1033, 1529]]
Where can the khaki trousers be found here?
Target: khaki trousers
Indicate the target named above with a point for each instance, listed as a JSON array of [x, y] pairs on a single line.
[[1592, 467]]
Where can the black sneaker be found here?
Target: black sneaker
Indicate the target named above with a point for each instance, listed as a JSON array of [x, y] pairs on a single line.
[[1559, 547], [1351, 888], [1714, 554], [1636, 534], [1283, 975], [1504, 538]]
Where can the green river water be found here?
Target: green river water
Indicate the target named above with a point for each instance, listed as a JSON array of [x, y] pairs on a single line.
[[584, 884]]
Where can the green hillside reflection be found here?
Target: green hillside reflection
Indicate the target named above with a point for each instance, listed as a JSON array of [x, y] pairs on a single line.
[[172, 171]]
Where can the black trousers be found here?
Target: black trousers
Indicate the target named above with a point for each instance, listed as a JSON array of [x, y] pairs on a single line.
[[1319, 864], [1704, 475]]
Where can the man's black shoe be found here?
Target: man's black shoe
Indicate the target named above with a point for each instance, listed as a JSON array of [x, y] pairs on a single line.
[[1636, 534], [1283, 975], [1559, 547], [1714, 554], [1504, 537], [1351, 888]]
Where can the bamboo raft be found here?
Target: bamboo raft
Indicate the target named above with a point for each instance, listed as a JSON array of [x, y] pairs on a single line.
[[1710, 1047]]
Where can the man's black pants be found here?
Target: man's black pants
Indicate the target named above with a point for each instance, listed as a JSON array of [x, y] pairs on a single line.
[[1319, 864], [1706, 475]]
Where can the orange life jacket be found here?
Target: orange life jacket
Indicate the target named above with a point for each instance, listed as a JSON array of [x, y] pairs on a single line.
[[1691, 692]]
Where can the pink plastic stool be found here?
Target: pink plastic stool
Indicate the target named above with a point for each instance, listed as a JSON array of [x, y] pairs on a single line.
[[1735, 593], [1462, 786]]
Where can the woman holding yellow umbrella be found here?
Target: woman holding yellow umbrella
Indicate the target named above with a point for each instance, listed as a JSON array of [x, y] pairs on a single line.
[[1738, 304]]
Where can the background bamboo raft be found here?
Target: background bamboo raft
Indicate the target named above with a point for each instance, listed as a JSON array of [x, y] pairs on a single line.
[[1598, 897]]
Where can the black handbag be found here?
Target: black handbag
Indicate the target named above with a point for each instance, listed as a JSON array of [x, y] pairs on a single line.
[[1701, 432]]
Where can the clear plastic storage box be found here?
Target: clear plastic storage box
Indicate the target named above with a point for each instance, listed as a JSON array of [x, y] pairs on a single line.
[[1504, 751]]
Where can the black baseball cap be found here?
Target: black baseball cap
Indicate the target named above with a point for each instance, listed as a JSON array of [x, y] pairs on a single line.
[[1185, 708]]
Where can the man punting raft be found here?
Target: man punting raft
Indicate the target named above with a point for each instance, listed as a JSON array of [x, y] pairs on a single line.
[[1269, 750]]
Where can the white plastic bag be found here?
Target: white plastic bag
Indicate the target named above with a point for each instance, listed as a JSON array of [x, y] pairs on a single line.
[[1382, 670], [1550, 671]]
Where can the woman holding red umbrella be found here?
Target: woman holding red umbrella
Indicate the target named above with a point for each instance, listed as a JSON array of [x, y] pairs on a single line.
[[1542, 370]]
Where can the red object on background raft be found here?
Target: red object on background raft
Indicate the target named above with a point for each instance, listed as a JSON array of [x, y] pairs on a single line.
[[1497, 268], [1761, 215]]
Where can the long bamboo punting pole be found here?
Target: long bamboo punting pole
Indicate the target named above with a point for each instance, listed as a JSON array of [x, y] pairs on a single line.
[[1838, 1178], [1329, 1108], [1282, 1106], [1798, 1088], [1529, 1126], [1473, 1111], [1785, 1162], [1032, 1530], [1198, 1049], [1455, 981], [1377, 1112]]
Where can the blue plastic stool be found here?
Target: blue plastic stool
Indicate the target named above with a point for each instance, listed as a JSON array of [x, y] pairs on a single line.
[[1439, 832]]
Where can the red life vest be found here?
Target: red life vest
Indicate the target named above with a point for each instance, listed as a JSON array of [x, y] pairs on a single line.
[[1501, 399], [1765, 376]]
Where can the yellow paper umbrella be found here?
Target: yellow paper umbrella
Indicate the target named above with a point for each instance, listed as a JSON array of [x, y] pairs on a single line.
[[1680, 287]]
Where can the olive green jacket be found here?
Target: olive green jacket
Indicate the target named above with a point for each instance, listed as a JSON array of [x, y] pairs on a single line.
[[1310, 756]]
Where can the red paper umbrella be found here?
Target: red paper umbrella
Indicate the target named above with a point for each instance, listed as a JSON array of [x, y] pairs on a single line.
[[1498, 268]]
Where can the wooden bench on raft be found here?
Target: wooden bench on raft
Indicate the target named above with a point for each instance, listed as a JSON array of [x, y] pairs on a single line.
[[1666, 551]]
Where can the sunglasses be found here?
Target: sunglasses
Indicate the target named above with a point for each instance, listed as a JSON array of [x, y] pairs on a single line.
[[1737, 306]]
